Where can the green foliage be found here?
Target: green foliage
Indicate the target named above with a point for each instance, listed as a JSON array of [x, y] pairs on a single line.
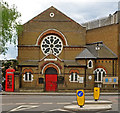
[[10, 26], [6, 64]]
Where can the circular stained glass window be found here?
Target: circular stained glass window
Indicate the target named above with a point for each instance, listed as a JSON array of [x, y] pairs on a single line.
[[51, 44]]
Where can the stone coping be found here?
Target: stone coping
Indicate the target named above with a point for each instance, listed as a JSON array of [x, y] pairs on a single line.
[[95, 102], [89, 107]]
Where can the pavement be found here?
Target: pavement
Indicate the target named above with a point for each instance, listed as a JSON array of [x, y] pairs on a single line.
[[53, 93], [90, 105]]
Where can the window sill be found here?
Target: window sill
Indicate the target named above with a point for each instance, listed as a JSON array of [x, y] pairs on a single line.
[[98, 81], [73, 81], [28, 81]]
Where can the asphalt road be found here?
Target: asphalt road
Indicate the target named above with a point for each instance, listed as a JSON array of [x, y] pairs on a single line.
[[46, 104]]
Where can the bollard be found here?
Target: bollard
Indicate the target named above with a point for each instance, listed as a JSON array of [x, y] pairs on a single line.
[[96, 93], [80, 97]]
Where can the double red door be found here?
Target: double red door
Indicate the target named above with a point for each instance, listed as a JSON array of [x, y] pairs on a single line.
[[51, 82]]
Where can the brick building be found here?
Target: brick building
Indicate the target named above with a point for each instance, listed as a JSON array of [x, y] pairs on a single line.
[[55, 53]]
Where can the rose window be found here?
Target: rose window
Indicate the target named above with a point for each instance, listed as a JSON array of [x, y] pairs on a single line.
[[51, 44]]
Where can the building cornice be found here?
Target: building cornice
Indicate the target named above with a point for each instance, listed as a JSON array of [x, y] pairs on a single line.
[[28, 45]]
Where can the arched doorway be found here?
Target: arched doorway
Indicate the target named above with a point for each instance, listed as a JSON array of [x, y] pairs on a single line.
[[51, 79]]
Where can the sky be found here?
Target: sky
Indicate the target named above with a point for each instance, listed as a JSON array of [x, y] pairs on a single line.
[[79, 10]]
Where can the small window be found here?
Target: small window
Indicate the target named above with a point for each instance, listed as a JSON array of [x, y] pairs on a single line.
[[52, 14], [95, 76], [73, 77], [103, 73], [28, 77], [60, 80], [41, 80], [90, 64], [99, 75]]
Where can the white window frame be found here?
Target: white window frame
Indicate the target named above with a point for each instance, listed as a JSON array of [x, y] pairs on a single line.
[[73, 77], [28, 79], [91, 64], [100, 74], [52, 14]]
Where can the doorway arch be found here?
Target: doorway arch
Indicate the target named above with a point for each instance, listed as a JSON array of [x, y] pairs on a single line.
[[51, 70], [51, 79]]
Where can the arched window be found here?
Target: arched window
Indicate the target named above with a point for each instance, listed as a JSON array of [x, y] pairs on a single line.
[[90, 64], [28, 77], [73, 77], [99, 74]]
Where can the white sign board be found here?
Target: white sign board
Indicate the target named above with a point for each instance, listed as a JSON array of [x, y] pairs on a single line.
[[81, 79]]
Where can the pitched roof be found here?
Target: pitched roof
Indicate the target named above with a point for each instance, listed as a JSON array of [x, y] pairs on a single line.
[[85, 54], [59, 16], [72, 63], [103, 52], [91, 52]]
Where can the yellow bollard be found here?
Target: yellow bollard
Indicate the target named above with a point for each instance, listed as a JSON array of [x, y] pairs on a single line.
[[96, 93], [80, 97]]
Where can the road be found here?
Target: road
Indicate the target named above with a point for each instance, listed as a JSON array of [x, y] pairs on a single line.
[[40, 103]]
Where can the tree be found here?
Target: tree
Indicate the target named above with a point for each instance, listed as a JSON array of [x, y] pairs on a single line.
[[5, 64], [10, 27]]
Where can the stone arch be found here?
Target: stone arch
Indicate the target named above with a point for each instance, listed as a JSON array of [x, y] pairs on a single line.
[[51, 65], [51, 70], [51, 31]]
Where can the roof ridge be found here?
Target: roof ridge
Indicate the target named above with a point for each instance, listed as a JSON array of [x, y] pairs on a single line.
[[98, 42], [90, 52], [83, 54]]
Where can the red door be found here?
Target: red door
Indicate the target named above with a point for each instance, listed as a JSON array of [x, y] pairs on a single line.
[[51, 82]]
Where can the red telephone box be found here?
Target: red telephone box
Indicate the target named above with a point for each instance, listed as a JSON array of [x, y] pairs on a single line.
[[9, 84]]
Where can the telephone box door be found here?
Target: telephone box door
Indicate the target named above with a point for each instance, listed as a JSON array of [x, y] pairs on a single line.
[[9, 84]]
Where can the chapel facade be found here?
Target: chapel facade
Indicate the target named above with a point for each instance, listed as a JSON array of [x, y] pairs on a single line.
[[55, 53]]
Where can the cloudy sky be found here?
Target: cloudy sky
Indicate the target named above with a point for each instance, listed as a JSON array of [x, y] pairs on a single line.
[[79, 10]]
